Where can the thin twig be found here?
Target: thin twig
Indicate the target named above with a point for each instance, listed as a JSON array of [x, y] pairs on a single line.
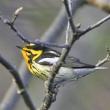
[[93, 26], [68, 31], [69, 16], [10, 23], [16, 14], [13, 27], [48, 44], [22, 91], [105, 60]]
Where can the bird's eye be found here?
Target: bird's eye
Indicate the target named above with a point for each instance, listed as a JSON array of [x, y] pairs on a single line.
[[28, 53]]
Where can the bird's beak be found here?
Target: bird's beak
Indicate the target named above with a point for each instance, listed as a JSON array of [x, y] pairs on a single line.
[[19, 47]]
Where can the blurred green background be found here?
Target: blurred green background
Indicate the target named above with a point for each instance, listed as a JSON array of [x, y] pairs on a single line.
[[89, 93]]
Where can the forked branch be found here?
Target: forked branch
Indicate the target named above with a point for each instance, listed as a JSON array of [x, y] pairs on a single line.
[[48, 100], [76, 34], [105, 60]]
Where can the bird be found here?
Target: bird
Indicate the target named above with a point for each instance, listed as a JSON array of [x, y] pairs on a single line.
[[41, 58]]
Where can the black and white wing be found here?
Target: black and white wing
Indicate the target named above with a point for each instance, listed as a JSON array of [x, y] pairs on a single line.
[[50, 57], [74, 62]]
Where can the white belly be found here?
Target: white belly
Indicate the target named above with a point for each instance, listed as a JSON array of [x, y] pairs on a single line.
[[69, 74]]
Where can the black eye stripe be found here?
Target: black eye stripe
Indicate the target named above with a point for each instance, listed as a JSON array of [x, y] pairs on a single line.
[[30, 54], [28, 51]]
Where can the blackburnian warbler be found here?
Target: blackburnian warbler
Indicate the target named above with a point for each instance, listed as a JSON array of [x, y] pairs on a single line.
[[40, 60]]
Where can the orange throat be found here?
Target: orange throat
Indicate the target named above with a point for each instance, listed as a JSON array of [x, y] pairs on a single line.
[[27, 56]]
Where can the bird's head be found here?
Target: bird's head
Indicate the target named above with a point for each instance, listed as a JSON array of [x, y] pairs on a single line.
[[31, 52]]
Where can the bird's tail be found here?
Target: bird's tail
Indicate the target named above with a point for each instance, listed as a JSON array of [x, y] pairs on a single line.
[[100, 67]]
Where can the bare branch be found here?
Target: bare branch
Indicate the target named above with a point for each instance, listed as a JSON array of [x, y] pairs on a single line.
[[105, 60], [11, 96], [68, 30], [16, 14], [22, 37], [16, 78], [50, 90], [48, 100], [60, 22], [11, 24], [69, 16], [93, 26], [51, 35]]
